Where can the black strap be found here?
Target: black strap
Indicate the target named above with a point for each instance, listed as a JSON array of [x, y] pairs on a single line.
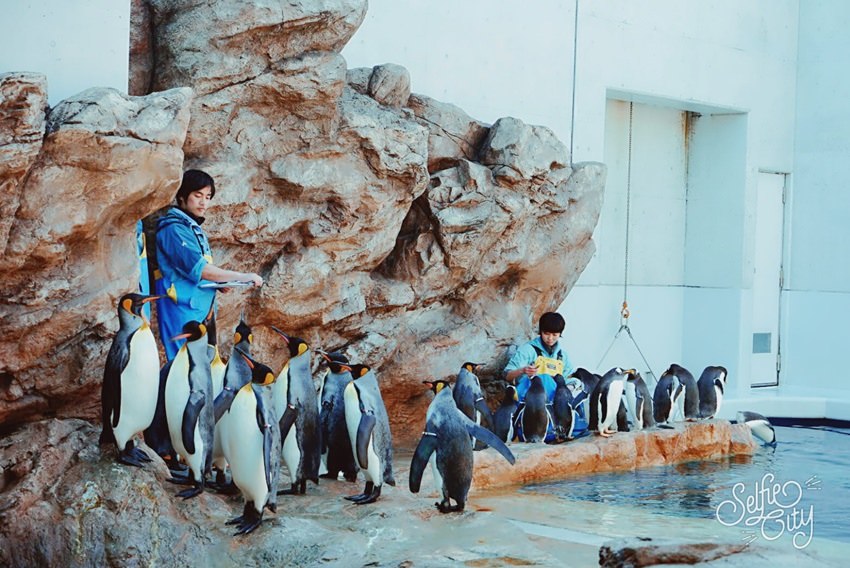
[[558, 355]]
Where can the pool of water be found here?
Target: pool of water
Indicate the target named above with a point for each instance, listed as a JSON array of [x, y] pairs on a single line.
[[803, 481]]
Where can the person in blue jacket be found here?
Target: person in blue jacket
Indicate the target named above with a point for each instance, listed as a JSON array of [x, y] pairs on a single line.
[[185, 261], [543, 356]]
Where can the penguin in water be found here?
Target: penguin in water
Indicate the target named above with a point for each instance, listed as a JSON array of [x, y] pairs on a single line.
[[503, 418], [251, 445], [562, 410], [470, 400], [446, 437], [668, 390], [189, 406], [534, 417], [688, 403], [369, 432], [759, 425], [336, 448], [236, 375], [302, 441], [605, 401], [130, 381], [639, 402], [712, 384]]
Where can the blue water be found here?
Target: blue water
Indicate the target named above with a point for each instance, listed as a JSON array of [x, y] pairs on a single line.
[[813, 461]]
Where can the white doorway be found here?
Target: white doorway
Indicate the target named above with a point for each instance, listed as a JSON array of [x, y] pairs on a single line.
[[767, 275]]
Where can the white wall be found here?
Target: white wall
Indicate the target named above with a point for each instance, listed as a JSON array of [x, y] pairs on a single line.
[[77, 45]]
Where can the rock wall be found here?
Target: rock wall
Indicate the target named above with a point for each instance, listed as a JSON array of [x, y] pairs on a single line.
[[386, 224]]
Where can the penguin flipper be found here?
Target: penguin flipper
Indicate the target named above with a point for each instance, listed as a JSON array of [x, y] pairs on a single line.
[[268, 440], [364, 435], [286, 421], [190, 417], [223, 402], [484, 411], [427, 445], [489, 438], [116, 361]]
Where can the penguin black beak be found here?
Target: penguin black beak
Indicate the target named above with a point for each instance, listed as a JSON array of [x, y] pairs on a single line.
[[283, 335]]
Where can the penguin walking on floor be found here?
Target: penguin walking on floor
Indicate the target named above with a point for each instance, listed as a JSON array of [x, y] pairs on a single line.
[[688, 403], [301, 442], [534, 418], [665, 399], [759, 425], [189, 406], [711, 384], [605, 401], [503, 418], [639, 402], [369, 432], [130, 381], [251, 443], [563, 414], [470, 399], [336, 447], [445, 444]]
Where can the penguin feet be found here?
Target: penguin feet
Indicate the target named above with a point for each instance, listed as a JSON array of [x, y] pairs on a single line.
[[131, 455], [249, 520], [329, 475], [180, 480], [445, 506], [225, 488], [192, 491], [366, 491], [370, 494], [299, 488]]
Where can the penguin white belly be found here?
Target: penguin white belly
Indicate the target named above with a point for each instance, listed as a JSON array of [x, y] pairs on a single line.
[[352, 415], [762, 430], [139, 387], [438, 479], [631, 401], [375, 468], [612, 398], [219, 455], [291, 454], [279, 388], [176, 398], [245, 445], [718, 395]]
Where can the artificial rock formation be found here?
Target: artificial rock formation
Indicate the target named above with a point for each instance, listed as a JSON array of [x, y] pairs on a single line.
[[386, 224]]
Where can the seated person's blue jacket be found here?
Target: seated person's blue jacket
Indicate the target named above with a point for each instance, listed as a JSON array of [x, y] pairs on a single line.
[[182, 252]]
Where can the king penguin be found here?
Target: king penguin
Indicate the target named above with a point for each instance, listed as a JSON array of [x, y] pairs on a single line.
[[503, 418], [130, 381], [189, 405], [251, 445], [712, 384], [605, 401], [534, 417], [302, 440], [562, 410], [470, 400], [336, 448], [638, 402], [369, 432], [688, 403], [446, 436], [668, 390]]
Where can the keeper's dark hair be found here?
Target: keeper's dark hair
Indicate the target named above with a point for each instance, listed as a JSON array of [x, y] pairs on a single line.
[[552, 322], [193, 180]]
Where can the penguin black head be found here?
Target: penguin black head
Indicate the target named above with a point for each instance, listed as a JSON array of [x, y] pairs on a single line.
[[471, 367], [559, 380], [437, 386], [359, 370], [511, 395], [297, 346], [133, 304], [260, 374], [336, 361], [192, 331], [242, 333]]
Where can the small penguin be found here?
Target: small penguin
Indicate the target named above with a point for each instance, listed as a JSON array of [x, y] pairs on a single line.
[[688, 403], [668, 390], [189, 405], [605, 401], [534, 417], [302, 440], [251, 445], [336, 448], [130, 381], [503, 418], [369, 432], [562, 410], [759, 425], [639, 402], [589, 381], [470, 400], [446, 438], [712, 384]]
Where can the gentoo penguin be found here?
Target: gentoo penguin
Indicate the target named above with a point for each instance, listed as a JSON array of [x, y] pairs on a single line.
[[251, 444], [130, 381], [589, 381], [236, 375], [638, 402], [605, 401], [302, 441], [503, 418], [470, 400], [189, 405], [688, 403], [562, 410], [759, 425], [336, 448], [446, 436], [369, 432], [712, 384], [668, 390], [534, 417]]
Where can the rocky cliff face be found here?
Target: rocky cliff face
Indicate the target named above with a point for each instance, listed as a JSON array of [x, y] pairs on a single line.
[[386, 224]]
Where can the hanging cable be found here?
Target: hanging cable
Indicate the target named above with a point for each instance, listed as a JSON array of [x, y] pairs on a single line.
[[573, 103]]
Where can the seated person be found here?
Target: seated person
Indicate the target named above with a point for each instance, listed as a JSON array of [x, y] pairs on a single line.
[[544, 357]]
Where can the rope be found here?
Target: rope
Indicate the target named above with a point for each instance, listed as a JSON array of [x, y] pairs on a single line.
[[573, 102]]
